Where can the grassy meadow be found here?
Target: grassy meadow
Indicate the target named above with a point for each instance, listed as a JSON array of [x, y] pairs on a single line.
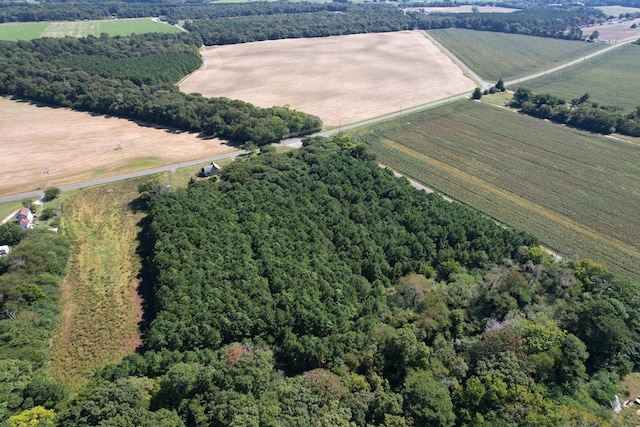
[[617, 10], [9, 208], [22, 31], [612, 78], [576, 191], [114, 27], [499, 55], [101, 309]]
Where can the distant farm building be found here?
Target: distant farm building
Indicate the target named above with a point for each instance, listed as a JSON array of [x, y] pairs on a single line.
[[24, 217], [208, 170]]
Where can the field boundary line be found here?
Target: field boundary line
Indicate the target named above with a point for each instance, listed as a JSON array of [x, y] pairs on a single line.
[[547, 214]]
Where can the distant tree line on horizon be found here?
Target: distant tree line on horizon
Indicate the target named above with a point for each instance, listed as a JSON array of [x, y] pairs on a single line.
[[236, 23], [626, 3], [579, 113], [542, 22], [134, 77]]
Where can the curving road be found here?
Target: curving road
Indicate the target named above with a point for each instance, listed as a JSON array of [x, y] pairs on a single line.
[[296, 142], [568, 64]]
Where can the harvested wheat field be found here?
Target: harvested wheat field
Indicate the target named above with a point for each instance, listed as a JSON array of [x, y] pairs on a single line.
[[341, 79], [75, 147]]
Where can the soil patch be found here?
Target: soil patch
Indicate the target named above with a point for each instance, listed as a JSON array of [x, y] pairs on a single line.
[[615, 31], [463, 9], [341, 79], [55, 146]]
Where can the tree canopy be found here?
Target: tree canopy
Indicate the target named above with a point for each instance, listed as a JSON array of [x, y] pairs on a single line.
[[578, 113], [133, 77], [315, 288]]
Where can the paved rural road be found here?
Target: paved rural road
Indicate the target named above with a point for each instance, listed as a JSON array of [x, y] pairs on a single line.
[[127, 176], [296, 142], [568, 64]]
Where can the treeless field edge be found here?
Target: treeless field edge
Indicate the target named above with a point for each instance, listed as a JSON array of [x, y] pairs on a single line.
[[44, 146], [341, 79]]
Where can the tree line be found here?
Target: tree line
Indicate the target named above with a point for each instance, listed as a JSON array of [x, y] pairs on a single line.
[[353, 19], [579, 113], [171, 11], [315, 288], [541, 21], [237, 23], [30, 279], [134, 77]]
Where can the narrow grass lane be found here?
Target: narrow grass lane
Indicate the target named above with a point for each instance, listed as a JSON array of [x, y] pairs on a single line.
[[101, 308]]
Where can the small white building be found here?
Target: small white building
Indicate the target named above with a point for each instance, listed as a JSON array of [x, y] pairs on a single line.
[[4, 250], [24, 217], [210, 169]]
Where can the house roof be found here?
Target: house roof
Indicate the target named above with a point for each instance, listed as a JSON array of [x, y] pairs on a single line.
[[210, 167], [24, 222], [23, 212]]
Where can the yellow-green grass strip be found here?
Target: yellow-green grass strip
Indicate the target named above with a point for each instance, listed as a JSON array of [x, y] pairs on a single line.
[[22, 31], [617, 10], [101, 310]]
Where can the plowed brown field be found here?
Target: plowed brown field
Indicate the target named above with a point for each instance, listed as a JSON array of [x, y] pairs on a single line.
[[76, 147], [341, 79]]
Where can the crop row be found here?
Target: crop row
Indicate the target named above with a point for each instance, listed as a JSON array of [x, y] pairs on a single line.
[[576, 191]]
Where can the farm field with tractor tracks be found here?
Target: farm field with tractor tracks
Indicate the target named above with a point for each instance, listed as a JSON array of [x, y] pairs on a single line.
[[576, 191]]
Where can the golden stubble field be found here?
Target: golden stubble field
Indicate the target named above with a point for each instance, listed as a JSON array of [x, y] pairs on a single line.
[[341, 79], [76, 147]]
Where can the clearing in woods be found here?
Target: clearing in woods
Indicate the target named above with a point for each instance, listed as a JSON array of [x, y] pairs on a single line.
[[61, 147], [99, 323], [341, 79]]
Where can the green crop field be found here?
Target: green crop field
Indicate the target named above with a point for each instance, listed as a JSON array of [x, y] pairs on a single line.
[[22, 31], [617, 10], [508, 56], [612, 78], [115, 27], [576, 191]]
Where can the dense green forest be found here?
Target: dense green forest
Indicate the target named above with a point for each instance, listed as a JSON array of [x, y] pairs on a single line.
[[311, 287], [315, 288], [579, 113], [172, 11], [30, 278], [542, 21], [236, 23], [134, 77]]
